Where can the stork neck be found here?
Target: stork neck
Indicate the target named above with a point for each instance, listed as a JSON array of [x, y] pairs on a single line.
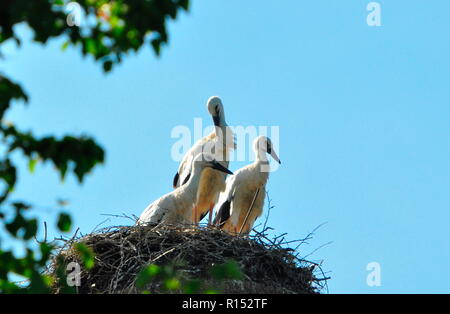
[[192, 185], [225, 134], [222, 131], [261, 162], [261, 156], [221, 127]]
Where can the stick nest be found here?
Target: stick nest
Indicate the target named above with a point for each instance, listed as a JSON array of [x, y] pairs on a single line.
[[122, 252]]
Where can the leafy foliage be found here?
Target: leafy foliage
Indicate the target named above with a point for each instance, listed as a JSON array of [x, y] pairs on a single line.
[[29, 266], [87, 256], [171, 280], [108, 31], [64, 222], [228, 270]]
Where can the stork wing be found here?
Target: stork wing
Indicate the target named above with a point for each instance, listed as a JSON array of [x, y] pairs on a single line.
[[153, 214], [184, 171], [224, 212], [146, 215]]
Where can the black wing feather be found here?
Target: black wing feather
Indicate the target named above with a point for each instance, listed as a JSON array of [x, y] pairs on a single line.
[[186, 179], [175, 180], [223, 214], [203, 215]]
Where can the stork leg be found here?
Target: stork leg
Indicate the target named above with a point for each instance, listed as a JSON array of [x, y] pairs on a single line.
[[211, 206], [195, 215]]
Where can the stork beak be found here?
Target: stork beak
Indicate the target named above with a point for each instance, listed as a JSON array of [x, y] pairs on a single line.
[[217, 166], [274, 156]]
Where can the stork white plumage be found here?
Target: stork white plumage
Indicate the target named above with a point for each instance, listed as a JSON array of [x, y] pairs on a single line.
[[219, 143], [243, 200], [176, 207]]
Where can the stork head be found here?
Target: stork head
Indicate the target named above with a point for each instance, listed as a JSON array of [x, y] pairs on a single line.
[[215, 108], [263, 144], [205, 160]]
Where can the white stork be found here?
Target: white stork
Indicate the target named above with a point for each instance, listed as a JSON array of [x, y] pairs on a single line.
[[219, 143], [243, 200], [176, 207]]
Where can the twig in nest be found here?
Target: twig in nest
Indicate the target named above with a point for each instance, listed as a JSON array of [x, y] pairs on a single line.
[[45, 235], [269, 207], [122, 252]]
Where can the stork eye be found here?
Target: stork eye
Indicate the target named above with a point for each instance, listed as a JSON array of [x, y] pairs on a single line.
[[217, 109], [269, 148]]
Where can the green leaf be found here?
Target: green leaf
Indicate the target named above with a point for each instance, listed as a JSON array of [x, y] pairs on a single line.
[[172, 283], [39, 283], [91, 46], [86, 254], [65, 45], [184, 4], [46, 251], [32, 164], [228, 270], [9, 287], [31, 227], [192, 286], [107, 66], [146, 275], [156, 44], [64, 222], [8, 92]]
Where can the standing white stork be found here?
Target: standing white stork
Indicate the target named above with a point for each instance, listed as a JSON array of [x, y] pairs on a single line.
[[244, 196], [219, 143], [177, 207]]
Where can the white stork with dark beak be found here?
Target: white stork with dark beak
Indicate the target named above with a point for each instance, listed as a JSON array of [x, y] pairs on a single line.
[[176, 207], [219, 143], [243, 200]]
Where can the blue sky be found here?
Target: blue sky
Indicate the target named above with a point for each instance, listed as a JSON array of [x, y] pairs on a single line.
[[363, 114]]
